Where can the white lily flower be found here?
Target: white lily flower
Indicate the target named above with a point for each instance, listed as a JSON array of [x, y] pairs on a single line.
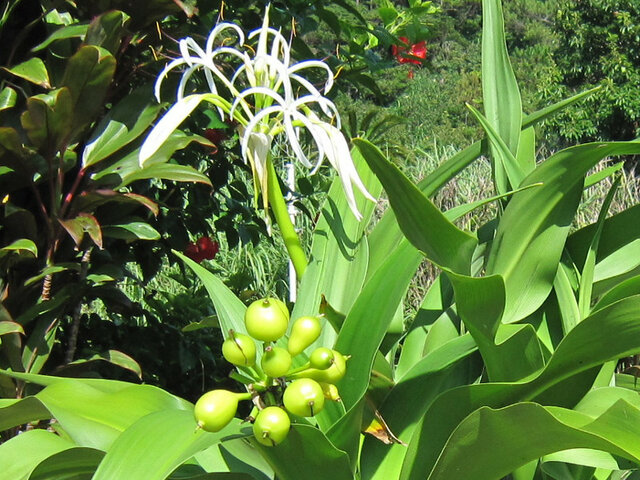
[[263, 96]]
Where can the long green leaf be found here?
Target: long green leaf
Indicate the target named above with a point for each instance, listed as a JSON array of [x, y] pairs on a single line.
[[20, 455], [376, 312], [607, 334], [15, 412], [437, 372], [229, 308], [586, 278], [74, 463], [307, 453], [339, 255], [498, 445], [168, 438], [422, 222], [502, 104], [532, 232], [124, 123]]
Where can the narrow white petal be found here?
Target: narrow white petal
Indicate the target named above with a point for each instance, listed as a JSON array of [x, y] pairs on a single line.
[[167, 125]]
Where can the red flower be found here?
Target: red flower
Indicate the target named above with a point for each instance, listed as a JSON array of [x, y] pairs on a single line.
[[203, 249], [208, 247], [407, 54]]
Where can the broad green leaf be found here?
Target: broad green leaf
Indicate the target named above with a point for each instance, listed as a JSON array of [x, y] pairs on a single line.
[[123, 124], [498, 445], [619, 248], [48, 120], [423, 223], [15, 412], [306, 453], [509, 352], [115, 357], [605, 335], [167, 171], [532, 232], [74, 463], [168, 438], [22, 245], [33, 70], [10, 327], [131, 231], [376, 312], [83, 223], [107, 30], [339, 254], [87, 76], [102, 385], [20, 455], [625, 289], [501, 96], [8, 97], [77, 30], [437, 372]]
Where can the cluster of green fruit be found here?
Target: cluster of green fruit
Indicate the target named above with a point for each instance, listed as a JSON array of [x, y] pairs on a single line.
[[274, 386]]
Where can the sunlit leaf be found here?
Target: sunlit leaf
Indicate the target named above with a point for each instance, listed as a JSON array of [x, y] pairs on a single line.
[[33, 70]]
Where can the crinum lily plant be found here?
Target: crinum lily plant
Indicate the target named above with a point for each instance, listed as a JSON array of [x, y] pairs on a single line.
[[266, 95]]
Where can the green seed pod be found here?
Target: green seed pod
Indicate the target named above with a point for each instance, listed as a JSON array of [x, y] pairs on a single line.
[[267, 319], [215, 409], [330, 391], [304, 332], [276, 361], [239, 350], [333, 374], [321, 358], [271, 426], [304, 397]]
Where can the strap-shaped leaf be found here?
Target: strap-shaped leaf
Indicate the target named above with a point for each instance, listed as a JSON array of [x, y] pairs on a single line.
[[533, 229], [607, 334], [424, 225], [502, 104]]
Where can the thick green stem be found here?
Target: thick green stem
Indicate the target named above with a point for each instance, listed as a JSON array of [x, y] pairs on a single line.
[[288, 231]]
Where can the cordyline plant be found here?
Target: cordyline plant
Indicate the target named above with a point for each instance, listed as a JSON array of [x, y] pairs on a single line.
[[67, 167], [507, 370]]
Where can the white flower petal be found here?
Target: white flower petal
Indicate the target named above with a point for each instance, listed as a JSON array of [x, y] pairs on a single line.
[[167, 125]]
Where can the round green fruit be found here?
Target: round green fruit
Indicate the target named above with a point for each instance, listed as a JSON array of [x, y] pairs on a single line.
[[267, 319], [215, 409], [304, 397], [321, 358], [271, 426], [304, 332], [275, 362], [333, 374], [239, 350]]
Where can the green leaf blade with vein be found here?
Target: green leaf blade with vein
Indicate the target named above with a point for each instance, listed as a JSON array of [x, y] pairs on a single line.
[[607, 334], [501, 96], [163, 452], [534, 228], [424, 225], [499, 447]]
